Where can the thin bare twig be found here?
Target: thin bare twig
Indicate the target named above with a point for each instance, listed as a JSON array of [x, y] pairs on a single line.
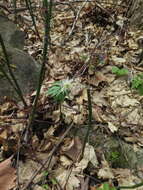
[[15, 7], [89, 120], [17, 165], [77, 16], [75, 21]]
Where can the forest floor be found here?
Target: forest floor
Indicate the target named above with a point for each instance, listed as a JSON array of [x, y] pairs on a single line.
[[92, 47]]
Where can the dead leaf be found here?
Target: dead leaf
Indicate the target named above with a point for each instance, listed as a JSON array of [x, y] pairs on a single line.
[[84, 183], [97, 78], [3, 136], [105, 172], [7, 175], [97, 113], [65, 161], [74, 151], [118, 60], [38, 187], [99, 99], [112, 127], [67, 178], [126, 178], [79, 119], [88, 156]]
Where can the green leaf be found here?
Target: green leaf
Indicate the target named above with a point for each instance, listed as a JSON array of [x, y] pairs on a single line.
[[123, 72], [45, 173], [119, 72], [45, 186], [54, 182], [136, 82], [115, 69], [106, 186], [59, 90]]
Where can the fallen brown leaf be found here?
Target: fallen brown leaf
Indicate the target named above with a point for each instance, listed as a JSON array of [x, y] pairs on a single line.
[[7, 175]]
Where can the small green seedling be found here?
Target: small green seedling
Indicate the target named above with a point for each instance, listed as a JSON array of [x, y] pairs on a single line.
[[45, 186], [119, 72], [59, 90], [84, 58], [52, 180], [45, 173], [114, 155], [137, 83], [106, 186]]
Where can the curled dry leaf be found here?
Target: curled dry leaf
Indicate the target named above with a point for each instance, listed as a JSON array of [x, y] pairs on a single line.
[[74, 150], [97, 113], [88, 156]]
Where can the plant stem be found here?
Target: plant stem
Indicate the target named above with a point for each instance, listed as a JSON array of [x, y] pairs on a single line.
[[28, 4], [17, 88], [48, 16], [15, 12], [89, 120]]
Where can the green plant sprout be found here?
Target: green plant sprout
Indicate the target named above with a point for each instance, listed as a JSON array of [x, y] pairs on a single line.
[[45, 186], [137, 83], [52, 180], [114, 155], [59, 90], [85, 58], [45, 173], [119, 72], [106, 186]]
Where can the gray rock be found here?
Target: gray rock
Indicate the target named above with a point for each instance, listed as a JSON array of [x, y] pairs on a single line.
[[25, 68], [26, 71], [10, 33]]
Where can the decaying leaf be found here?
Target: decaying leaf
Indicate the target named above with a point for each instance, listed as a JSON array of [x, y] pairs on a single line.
[[112, 127], [65, 161], [105, 172], [126, 178], [7, 175], [74, 151], [88, 156], [118, 60], [67, 179]]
